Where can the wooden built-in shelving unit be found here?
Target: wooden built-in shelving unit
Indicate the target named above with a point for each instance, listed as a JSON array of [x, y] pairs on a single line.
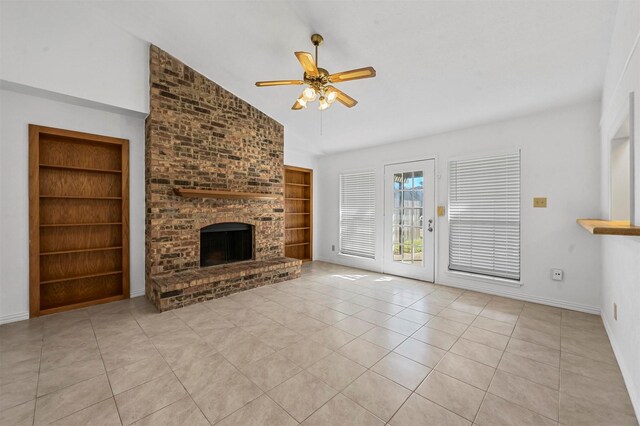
[[609, 227], [78, 219], [298, 212]]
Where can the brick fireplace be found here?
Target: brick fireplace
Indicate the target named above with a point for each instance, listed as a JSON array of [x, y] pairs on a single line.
[[200, 136]]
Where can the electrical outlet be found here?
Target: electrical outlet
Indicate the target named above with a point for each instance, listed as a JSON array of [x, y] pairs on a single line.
[[557, 274], [615, 311], [333, 248]]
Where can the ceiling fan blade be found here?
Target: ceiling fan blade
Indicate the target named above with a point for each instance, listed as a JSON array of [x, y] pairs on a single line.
[[308, 64], [279, 83], [356, 74], [343, 98]]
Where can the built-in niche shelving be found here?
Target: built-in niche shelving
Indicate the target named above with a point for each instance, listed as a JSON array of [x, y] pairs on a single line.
[[298, 212], [78, 219]]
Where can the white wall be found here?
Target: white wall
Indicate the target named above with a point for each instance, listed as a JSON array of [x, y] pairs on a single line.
[[621, 255], [17, 111], [68, 48], [620, 176], [560, 160]]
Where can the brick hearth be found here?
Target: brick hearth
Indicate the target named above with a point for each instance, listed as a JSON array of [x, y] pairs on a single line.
[[200, 136], [185, 288]]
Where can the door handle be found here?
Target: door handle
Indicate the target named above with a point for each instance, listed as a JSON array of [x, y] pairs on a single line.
[[429, 227]]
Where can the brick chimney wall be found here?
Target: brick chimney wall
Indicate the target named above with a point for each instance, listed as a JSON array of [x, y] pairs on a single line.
[[200, 136]]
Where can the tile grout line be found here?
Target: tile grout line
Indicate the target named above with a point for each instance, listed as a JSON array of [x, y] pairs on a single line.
[[81, 381], [515, 403], [495, 371], [439, 361], [148, 381], [105, 369], [176, 376], [35, 400]]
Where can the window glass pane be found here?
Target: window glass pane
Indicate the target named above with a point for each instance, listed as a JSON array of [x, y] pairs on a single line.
[[418, 180], [418, 198], [417, 217], [408, 198], [397, 181], [397, 199], [407, 180]]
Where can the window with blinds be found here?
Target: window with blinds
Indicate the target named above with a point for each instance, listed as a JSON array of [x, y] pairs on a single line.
[[358, 214], [484, 216]]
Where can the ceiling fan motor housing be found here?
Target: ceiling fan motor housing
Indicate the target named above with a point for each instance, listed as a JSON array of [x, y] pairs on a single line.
[[322, 78]]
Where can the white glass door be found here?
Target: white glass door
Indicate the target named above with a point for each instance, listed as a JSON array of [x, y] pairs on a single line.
[[409, 229]]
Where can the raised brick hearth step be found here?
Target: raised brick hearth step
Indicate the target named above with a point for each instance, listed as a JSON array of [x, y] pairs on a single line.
[[185, 288]]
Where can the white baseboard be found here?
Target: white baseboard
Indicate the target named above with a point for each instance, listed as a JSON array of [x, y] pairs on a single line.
[[634, 393], [25, 315], [493, 289], [350, 262], [5, 319], [504, 292], [136, 293]]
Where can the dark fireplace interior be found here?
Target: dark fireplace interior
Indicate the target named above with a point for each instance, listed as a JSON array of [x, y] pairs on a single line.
[[225, 243]]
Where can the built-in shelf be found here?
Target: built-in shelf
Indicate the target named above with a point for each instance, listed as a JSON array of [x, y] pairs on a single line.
[[79, 305], [298, 209], [80, 169], [80, 277], [53, 225], [51, 253], [80, 197], [213, 193], [609, 227], [78, 220]]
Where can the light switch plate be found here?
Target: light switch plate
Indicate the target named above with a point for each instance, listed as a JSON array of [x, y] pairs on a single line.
[[440, 210], [540, 202]]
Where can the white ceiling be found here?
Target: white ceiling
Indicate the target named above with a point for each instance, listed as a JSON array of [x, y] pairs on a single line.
[[441, 65]]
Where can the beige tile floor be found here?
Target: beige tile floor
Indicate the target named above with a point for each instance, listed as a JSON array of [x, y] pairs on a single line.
[[339, 346]]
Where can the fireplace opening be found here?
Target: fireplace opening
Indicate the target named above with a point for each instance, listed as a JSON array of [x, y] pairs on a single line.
[[225, 243]]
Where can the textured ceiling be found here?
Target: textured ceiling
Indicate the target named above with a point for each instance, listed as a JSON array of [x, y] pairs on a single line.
[[441, 65]]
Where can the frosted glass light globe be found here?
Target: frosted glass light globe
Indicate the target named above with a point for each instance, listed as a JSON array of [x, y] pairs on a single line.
[[309, 94], [323, 104]]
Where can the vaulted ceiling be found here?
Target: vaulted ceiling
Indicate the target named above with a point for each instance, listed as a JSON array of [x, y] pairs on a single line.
[[441, 65]]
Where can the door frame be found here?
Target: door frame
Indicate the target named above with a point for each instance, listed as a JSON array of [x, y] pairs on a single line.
[[436, 196]]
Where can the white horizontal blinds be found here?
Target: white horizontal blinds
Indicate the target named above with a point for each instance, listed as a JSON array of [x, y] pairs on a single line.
[[358, 214], [484, 216]]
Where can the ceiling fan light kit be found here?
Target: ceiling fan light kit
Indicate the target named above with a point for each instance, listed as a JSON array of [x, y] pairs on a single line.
[[319, 81]]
